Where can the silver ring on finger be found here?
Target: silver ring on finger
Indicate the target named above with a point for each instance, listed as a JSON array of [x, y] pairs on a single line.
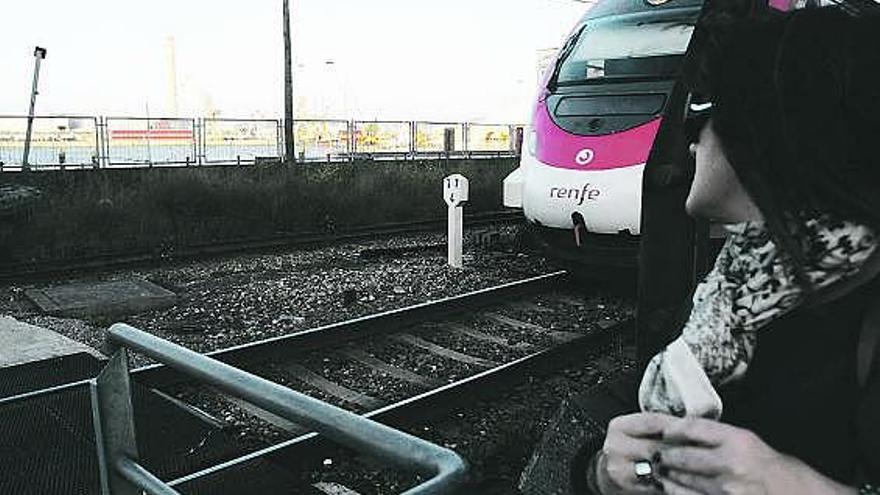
[[644, 472]]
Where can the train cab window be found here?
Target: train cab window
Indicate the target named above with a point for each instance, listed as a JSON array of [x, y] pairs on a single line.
[[631, 49]]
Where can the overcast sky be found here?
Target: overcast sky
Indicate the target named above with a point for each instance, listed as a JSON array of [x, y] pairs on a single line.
[[391, 59]]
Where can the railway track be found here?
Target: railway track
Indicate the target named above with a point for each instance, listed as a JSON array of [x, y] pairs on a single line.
[[396, 367], [45, 269], [403, 366]]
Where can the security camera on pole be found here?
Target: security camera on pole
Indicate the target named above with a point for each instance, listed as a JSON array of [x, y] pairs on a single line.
[[455, 192]]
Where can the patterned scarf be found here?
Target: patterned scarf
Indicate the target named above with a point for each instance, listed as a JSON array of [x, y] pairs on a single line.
[[751, 285]]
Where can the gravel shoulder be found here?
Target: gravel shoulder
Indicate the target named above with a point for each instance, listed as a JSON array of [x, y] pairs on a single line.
[[240, 299]]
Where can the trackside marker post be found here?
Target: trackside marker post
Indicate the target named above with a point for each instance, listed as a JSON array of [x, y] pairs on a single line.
[[455, 192]]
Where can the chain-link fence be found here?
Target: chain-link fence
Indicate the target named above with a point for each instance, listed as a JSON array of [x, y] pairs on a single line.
[[118, 142], [322, 139], [433, 137], [56, 142], [483, 138], [383, 137], [239, 141], [144, 141]]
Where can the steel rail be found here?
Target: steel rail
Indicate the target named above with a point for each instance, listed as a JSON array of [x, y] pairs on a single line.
[[156, 375], [388, 321], [311, 447]]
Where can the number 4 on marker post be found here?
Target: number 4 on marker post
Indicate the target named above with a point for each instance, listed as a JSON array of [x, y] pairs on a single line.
[[455, 192]]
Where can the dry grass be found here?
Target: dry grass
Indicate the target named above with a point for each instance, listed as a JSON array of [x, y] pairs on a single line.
[[85, 213]]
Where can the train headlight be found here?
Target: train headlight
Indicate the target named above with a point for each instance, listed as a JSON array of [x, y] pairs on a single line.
[[532, 143]]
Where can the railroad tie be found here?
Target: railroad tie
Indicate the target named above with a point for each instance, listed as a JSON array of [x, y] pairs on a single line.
[[529, 306], [443, 351], [486, 337], [571, 301], [557, 335], [272, 419], [390, 369], [607, 364], [332, 388]]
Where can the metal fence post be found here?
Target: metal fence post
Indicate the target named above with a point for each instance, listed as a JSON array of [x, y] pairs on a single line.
[[415, 133], [104, 156], [463, 140], [412, 139], [108, 139], [96, 157], [114, 424], [282, 141], [148, 143], [198, 128], [99, 143], [352, 150], [279, 137]]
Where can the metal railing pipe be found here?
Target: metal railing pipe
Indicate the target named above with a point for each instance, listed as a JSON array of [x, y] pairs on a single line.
[[401, 449], [140, 477]]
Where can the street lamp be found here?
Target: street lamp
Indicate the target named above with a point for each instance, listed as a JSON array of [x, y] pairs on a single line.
[[39, 56]]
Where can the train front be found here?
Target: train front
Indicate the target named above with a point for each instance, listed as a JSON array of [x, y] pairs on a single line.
[[594, 124]]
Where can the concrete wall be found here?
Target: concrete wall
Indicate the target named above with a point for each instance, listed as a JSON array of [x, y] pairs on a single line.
[[74, 214]]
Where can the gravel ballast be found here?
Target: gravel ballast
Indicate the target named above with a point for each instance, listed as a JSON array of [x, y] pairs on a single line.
[[240, 299], [246, 298]]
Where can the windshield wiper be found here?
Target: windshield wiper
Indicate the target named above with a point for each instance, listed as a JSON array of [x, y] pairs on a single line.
[[563, 55]]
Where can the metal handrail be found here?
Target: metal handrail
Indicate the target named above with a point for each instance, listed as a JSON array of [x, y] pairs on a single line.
[[111, 398]]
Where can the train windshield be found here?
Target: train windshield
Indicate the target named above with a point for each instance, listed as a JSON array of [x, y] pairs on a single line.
[[616, 50]]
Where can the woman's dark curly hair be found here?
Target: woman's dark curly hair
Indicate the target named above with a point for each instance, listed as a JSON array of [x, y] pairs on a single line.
[[797, 110]]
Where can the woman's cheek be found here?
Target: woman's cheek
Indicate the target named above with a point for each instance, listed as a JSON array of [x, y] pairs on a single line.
[[699, 200]]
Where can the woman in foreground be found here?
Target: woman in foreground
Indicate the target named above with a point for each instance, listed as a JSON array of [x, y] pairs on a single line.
[[771, 388]]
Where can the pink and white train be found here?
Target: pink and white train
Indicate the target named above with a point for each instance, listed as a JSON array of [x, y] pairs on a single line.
[[597, 113], [596, 116]]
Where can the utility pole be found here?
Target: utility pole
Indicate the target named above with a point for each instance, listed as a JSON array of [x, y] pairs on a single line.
[[289, 151], [39, 56]]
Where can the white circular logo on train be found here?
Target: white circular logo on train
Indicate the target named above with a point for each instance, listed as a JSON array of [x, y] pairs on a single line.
[[585, 156]]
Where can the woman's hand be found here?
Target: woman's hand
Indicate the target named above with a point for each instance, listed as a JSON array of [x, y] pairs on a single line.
[[631, 438], [707, 457]]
